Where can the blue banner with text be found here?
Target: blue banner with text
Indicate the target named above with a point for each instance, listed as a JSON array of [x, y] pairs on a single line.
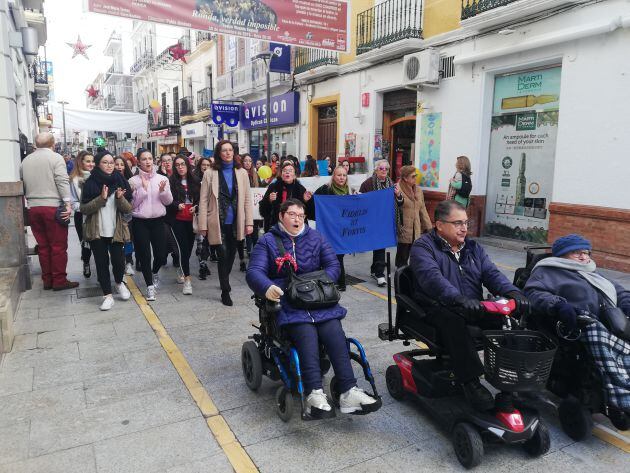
[[357, 223]]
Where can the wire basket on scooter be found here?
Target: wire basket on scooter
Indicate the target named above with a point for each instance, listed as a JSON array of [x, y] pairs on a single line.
[[517, 360]]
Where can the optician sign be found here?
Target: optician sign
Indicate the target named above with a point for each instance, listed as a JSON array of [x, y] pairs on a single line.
[[322, 24], [225, 113], [284, 111]]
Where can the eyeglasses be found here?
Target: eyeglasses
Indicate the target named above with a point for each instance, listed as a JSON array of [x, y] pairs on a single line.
[[296, 215], [580, 253], [180, 165], [458, 223], [107, 163]]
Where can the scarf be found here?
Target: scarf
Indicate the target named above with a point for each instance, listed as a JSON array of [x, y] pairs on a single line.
[[587, 271], [227, 199], [291, 235], [93, 185], [344, 190], [378, 185]]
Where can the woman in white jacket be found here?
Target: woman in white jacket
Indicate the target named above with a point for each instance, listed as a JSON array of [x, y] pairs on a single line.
[[83, 165]]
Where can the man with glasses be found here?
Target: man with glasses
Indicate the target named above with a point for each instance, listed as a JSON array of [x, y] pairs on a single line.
[[450, 271], [378, 181]]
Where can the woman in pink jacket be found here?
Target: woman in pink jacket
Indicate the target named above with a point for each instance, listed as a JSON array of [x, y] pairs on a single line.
[[151, 195]]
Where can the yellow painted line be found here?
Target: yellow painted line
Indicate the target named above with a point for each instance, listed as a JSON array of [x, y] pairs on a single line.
[[506, 267], [620, 440], [234, 451]]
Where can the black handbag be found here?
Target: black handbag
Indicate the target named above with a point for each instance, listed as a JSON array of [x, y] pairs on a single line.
[[308, 291], [613, 317]]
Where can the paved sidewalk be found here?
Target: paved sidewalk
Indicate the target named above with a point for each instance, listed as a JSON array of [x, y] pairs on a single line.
[[90, 391]]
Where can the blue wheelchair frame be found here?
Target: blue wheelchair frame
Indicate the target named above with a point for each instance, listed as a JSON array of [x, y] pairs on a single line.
[[280, 361]]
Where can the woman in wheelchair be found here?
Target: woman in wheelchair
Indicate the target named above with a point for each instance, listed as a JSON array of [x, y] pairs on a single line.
[[566, 285], [306, 329]]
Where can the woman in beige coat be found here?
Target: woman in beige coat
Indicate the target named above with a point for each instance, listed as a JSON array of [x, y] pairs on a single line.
[[225, 210], [414, 219]]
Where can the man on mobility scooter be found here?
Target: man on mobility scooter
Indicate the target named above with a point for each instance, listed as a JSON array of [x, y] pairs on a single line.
[[449, 271], [307, 251]]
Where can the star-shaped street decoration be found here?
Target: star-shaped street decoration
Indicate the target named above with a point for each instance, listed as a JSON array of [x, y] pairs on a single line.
[[92, 92], [79, 48], [177, 52]]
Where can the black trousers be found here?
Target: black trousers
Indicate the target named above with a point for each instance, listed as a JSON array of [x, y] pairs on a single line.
[[185, 239], [86, 252], [342, 277], [378, 263], [402, 254], [226, 253], [149, 233], [251, 240], [459, 344], [105, 249]]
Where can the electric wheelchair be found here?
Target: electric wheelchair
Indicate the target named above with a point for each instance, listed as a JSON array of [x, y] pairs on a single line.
[[574, 378], [271, 354], [514, 361]]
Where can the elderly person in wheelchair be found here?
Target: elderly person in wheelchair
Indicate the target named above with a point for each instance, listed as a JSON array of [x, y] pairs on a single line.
[[307, 329], [450, 270], [565, 286]]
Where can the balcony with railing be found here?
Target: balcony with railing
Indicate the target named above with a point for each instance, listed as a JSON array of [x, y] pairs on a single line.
[[186, 106], [164, 119], [40, 72], [391, 28], [204, 99], [144, 61], [480, 15], [248, 79], [318, 62]]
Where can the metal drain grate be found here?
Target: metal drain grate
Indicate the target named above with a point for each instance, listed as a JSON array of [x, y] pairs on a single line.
[[85, 292], [352, 280]]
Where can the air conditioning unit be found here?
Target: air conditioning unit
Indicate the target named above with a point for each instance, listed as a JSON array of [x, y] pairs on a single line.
[[422, 68]]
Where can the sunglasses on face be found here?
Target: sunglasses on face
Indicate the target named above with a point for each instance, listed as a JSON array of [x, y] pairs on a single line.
[[383, 168]]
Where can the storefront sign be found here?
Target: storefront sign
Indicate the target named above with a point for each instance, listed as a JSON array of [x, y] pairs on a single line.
[[169, 140], [194, 130], [225, 113], [284, 111], [522, 154], [430, 142], [321, 24], [155, 133], [281, 58]]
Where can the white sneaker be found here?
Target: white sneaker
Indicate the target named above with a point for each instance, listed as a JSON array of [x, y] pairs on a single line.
[[108, 303], [123, 292], [187, 290], [129, 271], [354, 400], [156, 279], [318, 400], [150, 293], [380, 280], [180, 277]]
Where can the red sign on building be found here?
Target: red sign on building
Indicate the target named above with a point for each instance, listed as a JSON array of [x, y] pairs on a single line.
[[321, 24], [365, 99]]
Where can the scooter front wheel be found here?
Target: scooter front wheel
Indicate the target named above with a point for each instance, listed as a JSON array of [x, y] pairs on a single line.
[[394, 382], [540, 442], [468, 444]]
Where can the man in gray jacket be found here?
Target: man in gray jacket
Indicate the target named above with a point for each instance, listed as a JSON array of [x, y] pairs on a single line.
[[47, 188]]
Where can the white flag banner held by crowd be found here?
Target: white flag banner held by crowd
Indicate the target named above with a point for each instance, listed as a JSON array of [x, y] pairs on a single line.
[[311, 184], [100, 120]]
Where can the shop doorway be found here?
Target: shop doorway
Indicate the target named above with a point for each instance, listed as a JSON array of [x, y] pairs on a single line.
[[403, 136], [399, 129], [327, 131]]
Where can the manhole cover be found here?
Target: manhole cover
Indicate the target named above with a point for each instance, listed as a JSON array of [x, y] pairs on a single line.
[[85, 292], [352, 280]]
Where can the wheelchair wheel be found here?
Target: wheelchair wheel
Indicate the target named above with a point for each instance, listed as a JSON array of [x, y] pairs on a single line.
[[394, 381], [334, 391], [575, 419], [540, 442], [284, 403], [252, 365], [618, 418], [467, 444]]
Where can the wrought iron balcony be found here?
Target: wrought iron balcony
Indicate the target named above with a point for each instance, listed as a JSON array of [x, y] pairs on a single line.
[[201, 36], [306, 59], [471, 8], [146, 60], [204, 99], [40, 72], [164, 119], [186, 106], [388, 22]]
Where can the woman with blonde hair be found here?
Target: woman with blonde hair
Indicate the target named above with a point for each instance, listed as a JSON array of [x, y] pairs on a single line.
[[460, 185], [414, 219]]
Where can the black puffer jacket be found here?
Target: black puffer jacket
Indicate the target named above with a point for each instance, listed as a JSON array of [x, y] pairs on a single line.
[[269, 210]]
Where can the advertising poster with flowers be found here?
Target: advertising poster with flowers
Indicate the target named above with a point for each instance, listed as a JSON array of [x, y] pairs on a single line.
[[430, 140]]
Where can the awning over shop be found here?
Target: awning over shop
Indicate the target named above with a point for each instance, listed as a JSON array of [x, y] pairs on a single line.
[[100, 120]]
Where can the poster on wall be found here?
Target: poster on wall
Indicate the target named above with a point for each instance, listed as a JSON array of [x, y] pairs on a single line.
[[522, 154], [350, 144], [430, 141], [378, 146], [321, 24]]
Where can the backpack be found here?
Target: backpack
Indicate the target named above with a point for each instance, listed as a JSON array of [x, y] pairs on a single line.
[[466, 186]]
